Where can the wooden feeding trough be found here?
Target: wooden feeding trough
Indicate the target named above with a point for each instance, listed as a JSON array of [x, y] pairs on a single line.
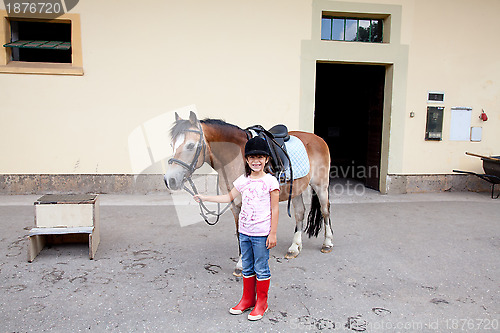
[[62, 218]]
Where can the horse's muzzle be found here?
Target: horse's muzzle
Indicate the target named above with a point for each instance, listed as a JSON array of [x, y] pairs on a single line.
[[172, 183], [169, 182]]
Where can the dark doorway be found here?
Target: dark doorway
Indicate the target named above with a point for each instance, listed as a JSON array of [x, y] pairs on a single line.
[[348, 116]]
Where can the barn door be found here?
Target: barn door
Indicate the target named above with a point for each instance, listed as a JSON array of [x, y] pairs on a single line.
[[375, 118], [348, 116]]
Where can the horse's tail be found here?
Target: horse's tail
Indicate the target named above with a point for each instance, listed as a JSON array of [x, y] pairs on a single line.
[[315, 218]]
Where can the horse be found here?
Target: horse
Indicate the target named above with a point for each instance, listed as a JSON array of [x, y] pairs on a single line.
[[221, 145]]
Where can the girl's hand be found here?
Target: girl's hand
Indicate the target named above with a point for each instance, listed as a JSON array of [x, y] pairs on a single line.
[[271, 241], [198, 197]]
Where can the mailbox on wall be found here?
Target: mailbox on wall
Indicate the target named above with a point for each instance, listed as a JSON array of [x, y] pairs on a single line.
[[434, 126]]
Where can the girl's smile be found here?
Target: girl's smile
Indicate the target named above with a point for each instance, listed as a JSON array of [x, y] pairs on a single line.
[[257, 162]]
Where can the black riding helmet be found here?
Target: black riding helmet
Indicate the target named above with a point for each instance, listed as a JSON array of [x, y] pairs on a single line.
[[256, 146]]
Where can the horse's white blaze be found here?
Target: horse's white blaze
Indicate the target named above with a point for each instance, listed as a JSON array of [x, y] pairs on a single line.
[[178, 142]]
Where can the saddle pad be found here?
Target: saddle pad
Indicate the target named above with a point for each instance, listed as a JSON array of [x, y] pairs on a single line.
[[299, 160]]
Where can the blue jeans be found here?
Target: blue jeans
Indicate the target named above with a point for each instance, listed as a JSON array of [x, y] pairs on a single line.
[[255, 256]]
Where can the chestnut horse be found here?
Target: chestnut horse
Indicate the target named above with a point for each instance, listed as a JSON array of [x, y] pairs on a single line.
[[221, 145]]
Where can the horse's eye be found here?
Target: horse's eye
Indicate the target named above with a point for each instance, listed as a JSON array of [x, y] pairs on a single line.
[[190, 146]]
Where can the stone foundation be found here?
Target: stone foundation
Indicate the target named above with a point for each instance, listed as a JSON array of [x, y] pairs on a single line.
[[110, 183], [398, 184], [143, 184]]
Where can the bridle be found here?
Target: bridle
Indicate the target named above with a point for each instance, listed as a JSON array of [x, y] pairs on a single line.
[[200, 147], [190, 168]]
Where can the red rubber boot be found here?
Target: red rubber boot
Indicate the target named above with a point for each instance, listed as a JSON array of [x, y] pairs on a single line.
[[248, 299], [261, 305]]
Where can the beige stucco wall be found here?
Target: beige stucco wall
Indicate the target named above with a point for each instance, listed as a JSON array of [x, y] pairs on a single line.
[[249, 62], [236, 60], [453, 50]]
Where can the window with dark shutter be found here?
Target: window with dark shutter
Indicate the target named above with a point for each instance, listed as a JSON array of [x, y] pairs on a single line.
[[40, 41]]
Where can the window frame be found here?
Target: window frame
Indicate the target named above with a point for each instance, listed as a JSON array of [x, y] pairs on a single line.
[[385, 18], [7, 65]]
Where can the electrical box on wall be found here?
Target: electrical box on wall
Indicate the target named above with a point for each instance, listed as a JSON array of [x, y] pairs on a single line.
[[434, 126], [476, 134]]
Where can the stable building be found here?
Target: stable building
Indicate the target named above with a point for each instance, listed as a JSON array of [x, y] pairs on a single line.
[[399, 89]]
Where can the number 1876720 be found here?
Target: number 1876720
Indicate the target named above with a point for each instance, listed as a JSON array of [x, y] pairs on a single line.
[[472, 324], [33, 8]]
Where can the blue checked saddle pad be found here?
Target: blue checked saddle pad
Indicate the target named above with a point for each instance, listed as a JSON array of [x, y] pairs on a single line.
[[299, 160]]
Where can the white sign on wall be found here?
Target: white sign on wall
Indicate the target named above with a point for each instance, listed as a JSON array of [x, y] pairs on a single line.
[[476, 134], [460, 123]]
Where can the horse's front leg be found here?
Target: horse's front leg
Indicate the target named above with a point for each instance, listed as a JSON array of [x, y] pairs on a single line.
[[238, 270], [299, 211]]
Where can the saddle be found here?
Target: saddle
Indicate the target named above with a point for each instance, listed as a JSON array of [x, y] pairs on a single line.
[[276, 137]]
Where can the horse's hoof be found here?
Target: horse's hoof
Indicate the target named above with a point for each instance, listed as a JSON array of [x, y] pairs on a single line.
[[238, 272], [327, 249], [291, 255]]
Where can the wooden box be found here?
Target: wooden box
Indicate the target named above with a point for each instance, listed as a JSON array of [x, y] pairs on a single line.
[[65, 218]]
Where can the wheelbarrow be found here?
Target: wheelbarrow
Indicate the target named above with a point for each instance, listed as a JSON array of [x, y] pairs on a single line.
[[491, 167]]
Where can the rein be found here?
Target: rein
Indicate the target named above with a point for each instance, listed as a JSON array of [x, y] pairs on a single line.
[[204, 211]]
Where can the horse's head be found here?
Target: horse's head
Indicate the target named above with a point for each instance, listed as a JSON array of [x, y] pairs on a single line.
[[189, 151]]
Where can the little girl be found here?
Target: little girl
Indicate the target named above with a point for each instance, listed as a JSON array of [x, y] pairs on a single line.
[[258, 222]]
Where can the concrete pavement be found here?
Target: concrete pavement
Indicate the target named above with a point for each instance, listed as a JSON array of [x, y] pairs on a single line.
[[401, 263]]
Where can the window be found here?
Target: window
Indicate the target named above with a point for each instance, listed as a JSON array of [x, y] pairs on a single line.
[[40, 41], [352, 29], [40, 46]]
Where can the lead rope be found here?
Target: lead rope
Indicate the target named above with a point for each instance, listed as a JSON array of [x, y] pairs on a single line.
[[204, 208]]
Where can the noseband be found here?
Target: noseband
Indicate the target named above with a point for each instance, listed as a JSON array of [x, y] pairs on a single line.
[[191, 169]]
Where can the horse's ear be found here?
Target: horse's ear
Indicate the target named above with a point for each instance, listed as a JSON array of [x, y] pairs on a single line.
[[192, 118], [177, 118]]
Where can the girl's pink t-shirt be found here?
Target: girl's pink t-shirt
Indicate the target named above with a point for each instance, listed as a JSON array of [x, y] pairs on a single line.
[[255, 215]]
